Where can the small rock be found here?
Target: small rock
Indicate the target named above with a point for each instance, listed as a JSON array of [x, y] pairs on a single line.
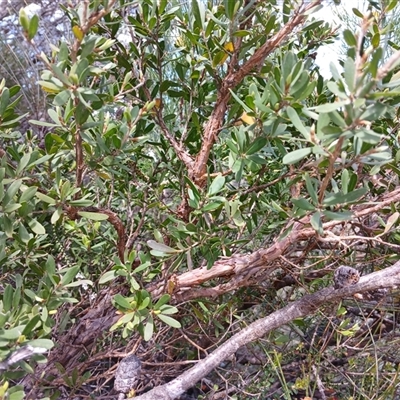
[[127, 374]]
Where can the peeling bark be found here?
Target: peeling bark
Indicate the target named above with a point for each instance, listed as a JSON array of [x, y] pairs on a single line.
[[242, 268], [198, 172]]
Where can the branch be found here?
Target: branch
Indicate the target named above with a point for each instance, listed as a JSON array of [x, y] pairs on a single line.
[[113, 218], [389, 65], [180, 151], [232, 79], [244, 267], [86, 24], [307, 305]]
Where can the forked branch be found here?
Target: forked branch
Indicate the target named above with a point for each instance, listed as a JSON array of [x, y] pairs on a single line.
[[307, 305], [198, 172]]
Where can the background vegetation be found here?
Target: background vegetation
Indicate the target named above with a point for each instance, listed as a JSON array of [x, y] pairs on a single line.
[[172, 172]]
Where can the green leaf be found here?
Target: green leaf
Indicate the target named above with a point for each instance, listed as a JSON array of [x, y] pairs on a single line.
[[329, 107], [316, 222], [339, 215], [11, 191], [95, 216], [60, 75], [368, 136], [11, 334], [37, 227], [126, 318], [51, 88], [310, 188], [199, 14], [122, 301], [297, 155], [144, 304], [341, 198], [350, 73], [241, 33], [219, 58], [50, 265], [170, 321], [257, 159], [56, 215], [229, 6], [237, 98], [31, 325], [107, 276], [357, 12], [376, 39], [69, 274], [62, 98], [33, 27], [374, 112], [43, 123], [164, 299], [24, 235], [167, 309], [4, 100], [12, 207], [257, 145], [45, 198], [194, 194], [375, 60], [349, 38], [8, 297], [270, 25], [286, 9], [23, 19], [43, 343], [80, 282], [216, 185], [238, 219], [40, 160], [148, 329], [211, 206], [304, 204], [27, 194], [337, 90], [294, 117], [391, 6], [161, 247], [81, 203]]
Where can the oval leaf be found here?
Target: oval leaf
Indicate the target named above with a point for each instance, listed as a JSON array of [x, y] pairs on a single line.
[[296, 155], [216, 185], [161, 247], [93, 215], [170, 321]]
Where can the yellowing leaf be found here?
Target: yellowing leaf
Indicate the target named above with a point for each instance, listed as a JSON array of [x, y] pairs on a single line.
[[390, 222], [157, 103], [49, 87], [221, 56], [103, 175], [229, 46], [247, 119], [77, 31]]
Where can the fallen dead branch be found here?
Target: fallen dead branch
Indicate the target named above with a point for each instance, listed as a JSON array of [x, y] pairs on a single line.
[[307, 305]]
